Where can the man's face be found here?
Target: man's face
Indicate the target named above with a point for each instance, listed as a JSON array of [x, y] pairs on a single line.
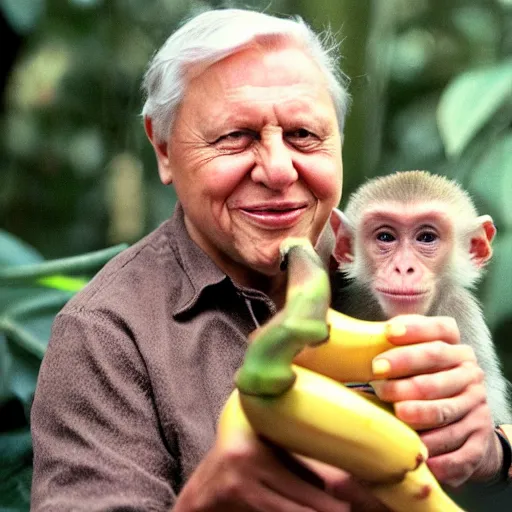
[[255, 157]]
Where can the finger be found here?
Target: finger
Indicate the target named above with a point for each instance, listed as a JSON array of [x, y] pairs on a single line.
[[262, 477], [429, 414], [289, 485], [294, 464], [411, 329], [359, 496], [419, 359], [429, 386], [456, 467], [343, 486], [269, 500], [452, 436]]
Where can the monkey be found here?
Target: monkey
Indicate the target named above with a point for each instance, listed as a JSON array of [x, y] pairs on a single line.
[[412, 242]]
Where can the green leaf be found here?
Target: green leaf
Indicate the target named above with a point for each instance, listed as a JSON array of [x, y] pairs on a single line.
[[75, 264], [13, 295], [21, 336], [15, 470], [23, 376], [32, 291], [469, 102], [5, 366], [40, 305], [64, 283], [491, 181], [22, 14], [498, 306], [13, 251]]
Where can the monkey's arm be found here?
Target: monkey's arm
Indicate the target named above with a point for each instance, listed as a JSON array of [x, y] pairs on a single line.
[[475, 333]]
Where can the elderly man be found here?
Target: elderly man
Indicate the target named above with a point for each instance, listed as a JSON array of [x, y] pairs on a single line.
[[245, 113]]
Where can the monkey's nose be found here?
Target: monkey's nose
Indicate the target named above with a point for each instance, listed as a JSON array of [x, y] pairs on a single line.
[[404, 270]]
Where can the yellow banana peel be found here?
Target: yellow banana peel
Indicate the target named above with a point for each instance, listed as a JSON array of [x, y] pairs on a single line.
[[374, 449], [325, 420], [347, 354], [419, 491], [304, 407]]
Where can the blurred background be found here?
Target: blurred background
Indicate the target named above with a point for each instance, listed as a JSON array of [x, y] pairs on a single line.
[[431, 82]]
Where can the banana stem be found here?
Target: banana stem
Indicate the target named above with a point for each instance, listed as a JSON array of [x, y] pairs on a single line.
[[267, 368]]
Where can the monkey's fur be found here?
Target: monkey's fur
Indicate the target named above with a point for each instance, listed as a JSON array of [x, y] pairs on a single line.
[[453, 297]]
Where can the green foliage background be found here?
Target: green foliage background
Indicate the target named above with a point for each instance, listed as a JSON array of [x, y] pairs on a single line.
[[432, 89]]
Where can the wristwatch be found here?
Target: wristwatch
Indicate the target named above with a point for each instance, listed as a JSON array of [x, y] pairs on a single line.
[[504, 433]]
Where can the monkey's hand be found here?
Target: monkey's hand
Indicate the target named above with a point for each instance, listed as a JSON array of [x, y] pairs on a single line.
[[438, 389]]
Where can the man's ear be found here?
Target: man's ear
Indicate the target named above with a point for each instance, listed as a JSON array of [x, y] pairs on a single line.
[[480, 248], [161, 152], [343, 232]]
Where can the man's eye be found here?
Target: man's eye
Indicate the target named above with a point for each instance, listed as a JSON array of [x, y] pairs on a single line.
[[385, 236], [303, 139], [301, 133], [236, 140], [235, 135], [427, 237]]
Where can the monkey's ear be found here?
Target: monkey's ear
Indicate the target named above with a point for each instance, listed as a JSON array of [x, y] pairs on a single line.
[[481, 250], [343, 232]]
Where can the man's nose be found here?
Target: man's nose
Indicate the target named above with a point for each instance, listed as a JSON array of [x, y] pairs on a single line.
[[274, 167]]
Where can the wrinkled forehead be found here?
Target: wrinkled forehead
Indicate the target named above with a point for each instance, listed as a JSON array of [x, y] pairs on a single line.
[[285, 77], [262, 64], [262, 43]]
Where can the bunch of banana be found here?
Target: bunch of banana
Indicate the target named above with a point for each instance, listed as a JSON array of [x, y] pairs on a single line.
[[310, 412]]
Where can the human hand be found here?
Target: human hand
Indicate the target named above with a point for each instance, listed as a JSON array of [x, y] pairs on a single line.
[[345, 487], [438, 389], [243, 473]]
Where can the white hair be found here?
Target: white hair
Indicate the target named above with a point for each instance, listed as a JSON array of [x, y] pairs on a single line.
[[214, 35]]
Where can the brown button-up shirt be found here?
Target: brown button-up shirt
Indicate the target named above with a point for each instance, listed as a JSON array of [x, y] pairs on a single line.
[[137, 370]]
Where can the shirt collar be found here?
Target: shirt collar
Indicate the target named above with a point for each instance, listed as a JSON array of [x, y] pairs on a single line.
[[200, 269]]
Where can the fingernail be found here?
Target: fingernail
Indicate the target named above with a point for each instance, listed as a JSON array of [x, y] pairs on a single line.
[[380, 366], [396, 329]]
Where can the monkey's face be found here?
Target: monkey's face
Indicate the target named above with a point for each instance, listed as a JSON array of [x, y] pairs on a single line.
[[255, 157], [406, 249]]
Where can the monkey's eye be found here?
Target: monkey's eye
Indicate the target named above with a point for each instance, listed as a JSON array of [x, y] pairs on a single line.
[[385, 236], [427, 237]]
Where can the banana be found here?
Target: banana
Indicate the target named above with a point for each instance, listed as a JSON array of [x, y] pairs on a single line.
[[323, 419], [233, 422], [348, 353], [419, 491], [290, 391]]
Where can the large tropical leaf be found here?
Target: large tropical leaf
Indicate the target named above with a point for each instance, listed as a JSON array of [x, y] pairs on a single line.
[[32, 291], [491, 180], [470, 101]]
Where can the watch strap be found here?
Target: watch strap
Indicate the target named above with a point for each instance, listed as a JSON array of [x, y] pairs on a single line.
[[504, 433]]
